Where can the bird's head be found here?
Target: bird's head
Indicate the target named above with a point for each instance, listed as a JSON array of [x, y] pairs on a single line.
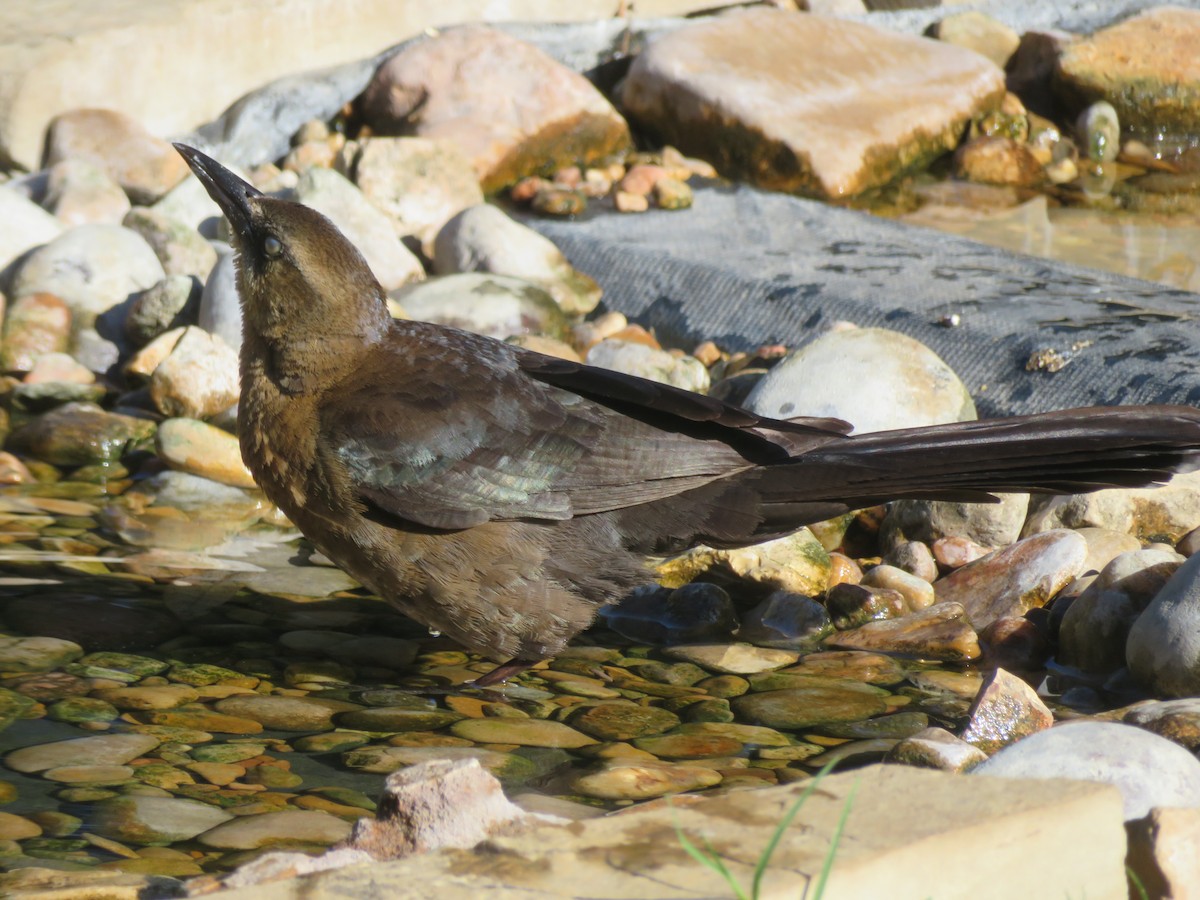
[[300, 280]]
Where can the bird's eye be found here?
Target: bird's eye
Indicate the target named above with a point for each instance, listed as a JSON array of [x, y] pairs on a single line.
[[272, 246]]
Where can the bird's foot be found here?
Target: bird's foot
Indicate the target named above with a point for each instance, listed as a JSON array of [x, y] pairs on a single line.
[[503, 672]]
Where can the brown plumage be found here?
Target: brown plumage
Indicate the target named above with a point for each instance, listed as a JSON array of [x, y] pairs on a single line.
[[500, 496]]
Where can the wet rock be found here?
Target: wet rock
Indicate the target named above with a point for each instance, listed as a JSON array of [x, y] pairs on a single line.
[[483, 239], [781, 99], [786, 621], [1016, 578], [1163, 649], [154, 820], [689, 614], [998, 160], [733, 659], [1095, 628], [81, 193], [91, 268], [622, 721], [201, 720], [917, 592], [940, 632], [81, 711], [105, 749], [1015, 643], [204, 450], [14, 706], [397, 718], [689, 746], [418, 183], [179, 247], [1150, 771], [304, 714], [871, 377], [1099, 131], [79, 434], [1152, 514], [145, 166], [685, 372], [36, 654], [161, 696], [34, 324], [459, 87], [17, 828], [508, 767], [380, 651], [894, 727], [915, 558], [1005, 711], [629, 781], [956, 552], [856, 665], [988, 524], [936, 748], [372, 232], [1176, 720], [494, 305], [812, 701], [979, 32], [23, 226], [1105, 545], [852, 605], [523, 732], [57, 369], [796, 563]]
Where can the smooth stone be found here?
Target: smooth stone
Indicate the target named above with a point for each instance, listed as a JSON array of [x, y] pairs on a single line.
[[691, 613], [14, 706], [81, 193], [17, 828], [1104, 546], [220, 310], [183, 252], [1163, 648], [36, 654], [628, 781], [380, 651], [796, 563], [1176, 720], [856, 665], [523, 732], [914, 557], [199, 720], [874, 378], [154, 820], [163, 696], [419, 184], [79, 434], [852, 605], [60, 368], [23, 226], [936, 748], [1005, 711], [897, 725], [334, 196], [956, 552], [483, 239], [1015, 579], [92, 268], [939, 632], [852, 753], [304, 714], [198, 378], [398, 718], [197, 448], [1149, 770], [733, 659], [224, 754], [998, 160], [685, 372], [917, 592], [755, 736], [812, 704], [498, 306], [622, 721], [89, 775], [104, 749], [988, 524], [460, 87], [34, 324], [980, 32], [786, 621], [508, 767], [81, 711], [1094, 630], [689, 746]]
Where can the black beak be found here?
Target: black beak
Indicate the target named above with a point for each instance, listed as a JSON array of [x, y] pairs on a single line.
[[230, 192]]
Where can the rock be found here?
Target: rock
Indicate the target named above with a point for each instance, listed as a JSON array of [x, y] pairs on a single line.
[[786, 621], [58, 369], [81, 193], [17, 828], [276, 829], [494, 305], [198, 376], [145, 166], [852, 605], [856, 665], [172, 303], [622, 721], [179, 247], [418, 183], [917, 593], [941, 631], [789, 118], [1015, 579], [104, 749], [34, 324], [1176, 720], [460, 87], [812, 701], [956, 552], [508, 767], [220, 310], [441, 803], [1143, 66], [733, 659], [483, 239], [619, 780], [1152, 514], [1005, 711], [988, 524], [979, 32], [1163, 649], [398, 719], [689, 614], [14, 706], [998, 160], [796, 563], [372, 232], [936, 748], [915, 558], [36, 654], [523, 732], [874, 378], [1104, 546], [1150, 771], [1015, 643], [685, 372], [1162, 851], [79, 434], [23, 226], [304, 714], [160, 696], [1095, 628], [1099, 131]]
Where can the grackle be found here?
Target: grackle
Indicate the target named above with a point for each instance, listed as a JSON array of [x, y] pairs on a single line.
[[501, 496]]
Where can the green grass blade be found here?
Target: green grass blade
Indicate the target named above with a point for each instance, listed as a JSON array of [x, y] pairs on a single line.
[[765, 858], [833, 844], [710, 860]]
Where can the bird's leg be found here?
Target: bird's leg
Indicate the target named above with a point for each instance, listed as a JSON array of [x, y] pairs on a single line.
[[504, 672]]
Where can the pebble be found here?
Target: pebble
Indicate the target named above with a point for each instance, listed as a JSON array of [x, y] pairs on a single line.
[[198, 376], [154, 820], [90, 775], [692, 613], [1163, 649], [622, 721], [300, 714], [17, 828], [220, 310], [105, 749], [181, 249], [787, 621], [796, 563], [1005, 711], [23, 226], [627, 781], [987, 524], [78, 434], [914, 557], [816, 702], [198, 448], [498, 306], [685, 372], [917, 592], [522, 732], [940, 632], [937, 748], [508, 767], [34, 324], [1176, 720], [79, 192], [733, 659], [1149, 770], [36, 654]]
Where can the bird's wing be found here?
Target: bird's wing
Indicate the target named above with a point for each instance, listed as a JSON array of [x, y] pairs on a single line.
[[505, 434]]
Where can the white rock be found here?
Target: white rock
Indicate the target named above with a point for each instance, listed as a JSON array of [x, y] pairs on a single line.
[[1163, 649], [685, 372], [220, 310], [23, 226]]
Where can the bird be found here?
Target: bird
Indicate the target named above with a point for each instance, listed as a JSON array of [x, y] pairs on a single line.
[[501, 496]]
